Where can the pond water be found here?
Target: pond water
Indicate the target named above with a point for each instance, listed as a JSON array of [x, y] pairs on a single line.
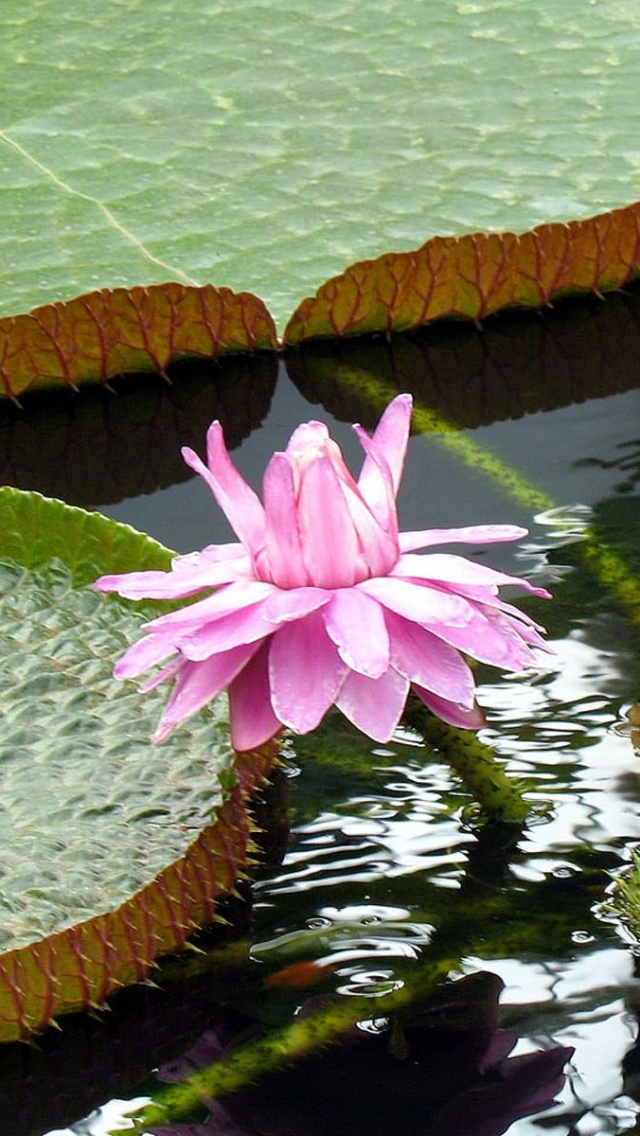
[[534, 422]]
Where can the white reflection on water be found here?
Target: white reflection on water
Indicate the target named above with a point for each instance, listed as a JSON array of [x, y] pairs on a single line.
[[103, 1120], [574, 710], [599, 989]]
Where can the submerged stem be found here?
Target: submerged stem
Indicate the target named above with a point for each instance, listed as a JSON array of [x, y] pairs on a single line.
[[500, 797], [270, 1052]]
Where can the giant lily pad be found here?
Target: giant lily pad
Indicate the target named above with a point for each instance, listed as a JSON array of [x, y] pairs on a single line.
[[213, 145], [104, 334], [266, 147], [113, 850]]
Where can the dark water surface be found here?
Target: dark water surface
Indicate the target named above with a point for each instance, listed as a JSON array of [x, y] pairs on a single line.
[[534, 422]]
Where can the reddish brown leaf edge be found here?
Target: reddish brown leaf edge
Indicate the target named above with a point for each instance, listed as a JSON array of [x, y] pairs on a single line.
[[97, 336], [82, 965], [102, 334], [474, 276]]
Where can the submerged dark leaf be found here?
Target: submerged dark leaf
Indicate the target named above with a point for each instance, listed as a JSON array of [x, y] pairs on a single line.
[[452, 1076]]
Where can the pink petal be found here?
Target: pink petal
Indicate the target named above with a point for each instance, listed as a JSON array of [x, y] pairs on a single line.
[[283, 560], [489, 639], [526, 630], [417, 602], [305, 673], [455, 715], [253, 721], [228, 600], [305, 436], [378, 545], [430, 662], [248, 624], [147, 652], [356, 624], [199, 683], [241, 506], [171, 670], [486, 598], [327, 531], [470, 534], [374, 705], [452, 570], [341, 539], [388, 446], [214, 552], [377, 490], [382, 469], [284, 606], [188, 574]]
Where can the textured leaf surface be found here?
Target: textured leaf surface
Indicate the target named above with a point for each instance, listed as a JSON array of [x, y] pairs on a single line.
[[108, 333], [268, 146], [474, 276], [109, 854]]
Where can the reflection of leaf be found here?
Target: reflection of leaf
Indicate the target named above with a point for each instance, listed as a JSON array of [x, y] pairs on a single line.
[[468, 376], [108, 333], [98, 449], [474, 276], [109, 855]]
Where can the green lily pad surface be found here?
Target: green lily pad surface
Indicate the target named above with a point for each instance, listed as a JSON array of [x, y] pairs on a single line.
[[266, 146], [94, 820]]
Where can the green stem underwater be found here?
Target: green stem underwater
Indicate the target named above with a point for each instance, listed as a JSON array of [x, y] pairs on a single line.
[[269, 1053], [501, 797]]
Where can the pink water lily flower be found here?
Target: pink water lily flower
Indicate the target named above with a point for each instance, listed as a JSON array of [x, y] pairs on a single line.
[[323, 601]]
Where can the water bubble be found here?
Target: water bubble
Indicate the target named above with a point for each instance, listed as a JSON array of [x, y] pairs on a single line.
[[582, 937]]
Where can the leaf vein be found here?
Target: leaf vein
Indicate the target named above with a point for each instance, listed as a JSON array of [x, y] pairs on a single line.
[[110, 217]]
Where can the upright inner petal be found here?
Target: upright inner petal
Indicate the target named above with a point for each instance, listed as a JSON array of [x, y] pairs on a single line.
[[241, 506], [385, 452], [283, 558], [327, 532]]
